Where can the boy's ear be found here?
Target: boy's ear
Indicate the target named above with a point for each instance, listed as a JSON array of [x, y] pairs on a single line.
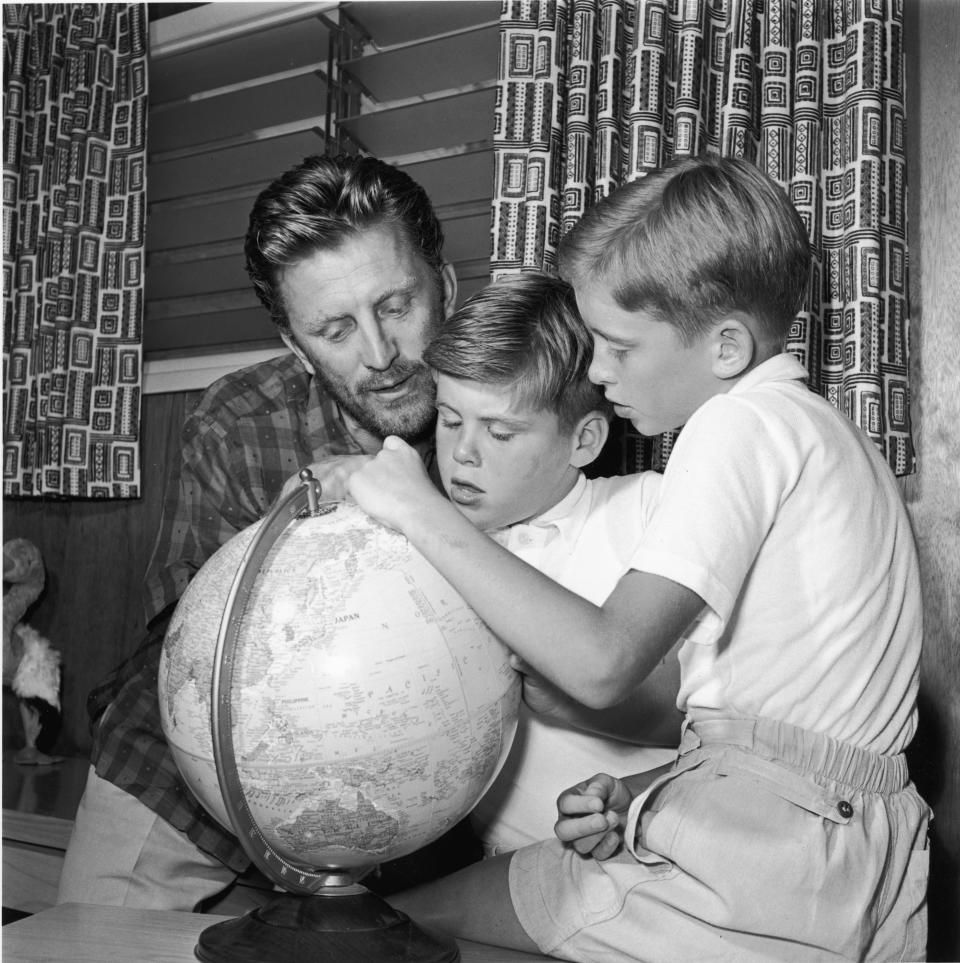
[[589, 437], [735, 348]]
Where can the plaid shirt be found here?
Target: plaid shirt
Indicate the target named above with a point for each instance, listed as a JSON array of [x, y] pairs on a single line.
[[250, 432]]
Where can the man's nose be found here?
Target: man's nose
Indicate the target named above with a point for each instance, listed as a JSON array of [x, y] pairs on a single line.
[[380, 347]]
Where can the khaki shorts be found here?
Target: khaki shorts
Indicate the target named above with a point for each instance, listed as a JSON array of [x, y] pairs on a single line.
[[766, 842]]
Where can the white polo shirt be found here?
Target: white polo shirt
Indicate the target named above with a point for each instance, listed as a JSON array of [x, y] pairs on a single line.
[[585, 543], [783, 516]]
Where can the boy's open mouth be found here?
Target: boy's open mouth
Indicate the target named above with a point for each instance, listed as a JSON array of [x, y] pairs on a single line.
[[463, 493]]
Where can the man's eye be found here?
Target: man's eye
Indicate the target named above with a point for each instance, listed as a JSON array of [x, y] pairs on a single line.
[[334, 334], [502, 435], [395, 309]]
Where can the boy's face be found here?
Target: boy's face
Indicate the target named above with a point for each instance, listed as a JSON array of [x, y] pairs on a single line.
[[499, 464], [652, 377]]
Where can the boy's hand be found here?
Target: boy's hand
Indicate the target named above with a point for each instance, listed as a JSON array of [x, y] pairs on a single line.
[[539, 694], [592, 815], [333, 473], [393, 485]]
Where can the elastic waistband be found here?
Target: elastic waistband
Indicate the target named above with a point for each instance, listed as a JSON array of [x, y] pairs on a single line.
[[810, 752]]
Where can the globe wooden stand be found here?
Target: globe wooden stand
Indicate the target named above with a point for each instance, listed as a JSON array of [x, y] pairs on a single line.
[[325, 915], [345, 928]]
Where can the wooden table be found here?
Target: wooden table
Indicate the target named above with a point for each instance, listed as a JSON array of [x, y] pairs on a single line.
[[81, 933]]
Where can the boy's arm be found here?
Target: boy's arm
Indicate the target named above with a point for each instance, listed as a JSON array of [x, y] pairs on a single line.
[[647, 717], [597, 655]]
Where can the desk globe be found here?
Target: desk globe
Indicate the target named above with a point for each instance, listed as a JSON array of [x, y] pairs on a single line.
[[329, 697]]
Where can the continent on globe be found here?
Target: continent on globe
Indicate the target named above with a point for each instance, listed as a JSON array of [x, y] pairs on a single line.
[[371, 708]]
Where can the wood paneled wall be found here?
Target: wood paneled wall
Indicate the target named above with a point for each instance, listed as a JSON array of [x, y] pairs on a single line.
[[96, 553], [932, 34]]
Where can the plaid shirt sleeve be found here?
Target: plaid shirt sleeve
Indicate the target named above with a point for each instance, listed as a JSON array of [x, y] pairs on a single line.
[[248, 435], [250, 432]]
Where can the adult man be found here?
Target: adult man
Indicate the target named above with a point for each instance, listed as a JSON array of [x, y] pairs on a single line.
[[346, 254]]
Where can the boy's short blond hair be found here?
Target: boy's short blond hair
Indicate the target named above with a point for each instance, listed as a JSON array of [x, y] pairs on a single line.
[[694, 241], [526, 334]]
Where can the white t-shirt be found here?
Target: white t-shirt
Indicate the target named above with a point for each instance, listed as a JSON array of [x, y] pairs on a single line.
[[783, 516], [585, 543]]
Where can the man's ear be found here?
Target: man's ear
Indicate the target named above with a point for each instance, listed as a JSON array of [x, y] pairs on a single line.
[[291, 343], [448, 277], [734, 348], [589, 437]]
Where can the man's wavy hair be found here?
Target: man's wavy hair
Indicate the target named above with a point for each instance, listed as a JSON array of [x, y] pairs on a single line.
[[525, 334], [693, 241], [323, 201]]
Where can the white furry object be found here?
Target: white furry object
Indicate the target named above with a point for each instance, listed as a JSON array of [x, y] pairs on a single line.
[[38, 674]]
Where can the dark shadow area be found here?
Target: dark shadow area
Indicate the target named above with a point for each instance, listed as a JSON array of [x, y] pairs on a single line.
[[157, 11], [12, 915], [51, 723], [927, 756]]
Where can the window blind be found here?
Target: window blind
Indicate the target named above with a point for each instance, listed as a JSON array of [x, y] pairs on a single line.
[[242, 91]]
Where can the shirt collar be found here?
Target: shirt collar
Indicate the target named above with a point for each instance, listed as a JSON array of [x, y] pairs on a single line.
[[565, 519], [781, 367]]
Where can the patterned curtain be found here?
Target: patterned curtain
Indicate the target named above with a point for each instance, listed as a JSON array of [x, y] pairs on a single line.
[[594, 93], [74, 181]]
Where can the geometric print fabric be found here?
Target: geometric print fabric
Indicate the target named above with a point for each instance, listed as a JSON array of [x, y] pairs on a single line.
[[74, 185], [595, 93]]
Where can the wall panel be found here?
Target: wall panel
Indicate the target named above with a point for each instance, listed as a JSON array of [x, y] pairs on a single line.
[[932, 43], [96, 553]]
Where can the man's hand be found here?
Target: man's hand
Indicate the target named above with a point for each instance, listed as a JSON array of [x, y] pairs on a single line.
[[592, 815], [332, 473], [394, 486]]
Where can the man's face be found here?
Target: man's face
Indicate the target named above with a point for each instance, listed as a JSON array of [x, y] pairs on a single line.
[[360, 317], [644, 367], [499, 464]]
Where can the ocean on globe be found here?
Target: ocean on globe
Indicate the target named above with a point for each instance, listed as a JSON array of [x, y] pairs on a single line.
[[371, 708]]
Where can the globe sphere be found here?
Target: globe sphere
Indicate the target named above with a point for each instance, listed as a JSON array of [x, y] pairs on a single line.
[[370, 706]]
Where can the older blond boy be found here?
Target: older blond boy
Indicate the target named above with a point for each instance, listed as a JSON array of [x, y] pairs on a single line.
[[779, 552]]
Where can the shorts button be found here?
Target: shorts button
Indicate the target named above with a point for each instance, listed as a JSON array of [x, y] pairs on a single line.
[[845, 809]]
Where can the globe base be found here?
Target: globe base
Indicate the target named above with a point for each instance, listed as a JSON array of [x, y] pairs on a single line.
[[333, 928]]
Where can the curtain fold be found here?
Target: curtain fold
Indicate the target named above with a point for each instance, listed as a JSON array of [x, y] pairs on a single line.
[[74, 183], [594, 93]]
